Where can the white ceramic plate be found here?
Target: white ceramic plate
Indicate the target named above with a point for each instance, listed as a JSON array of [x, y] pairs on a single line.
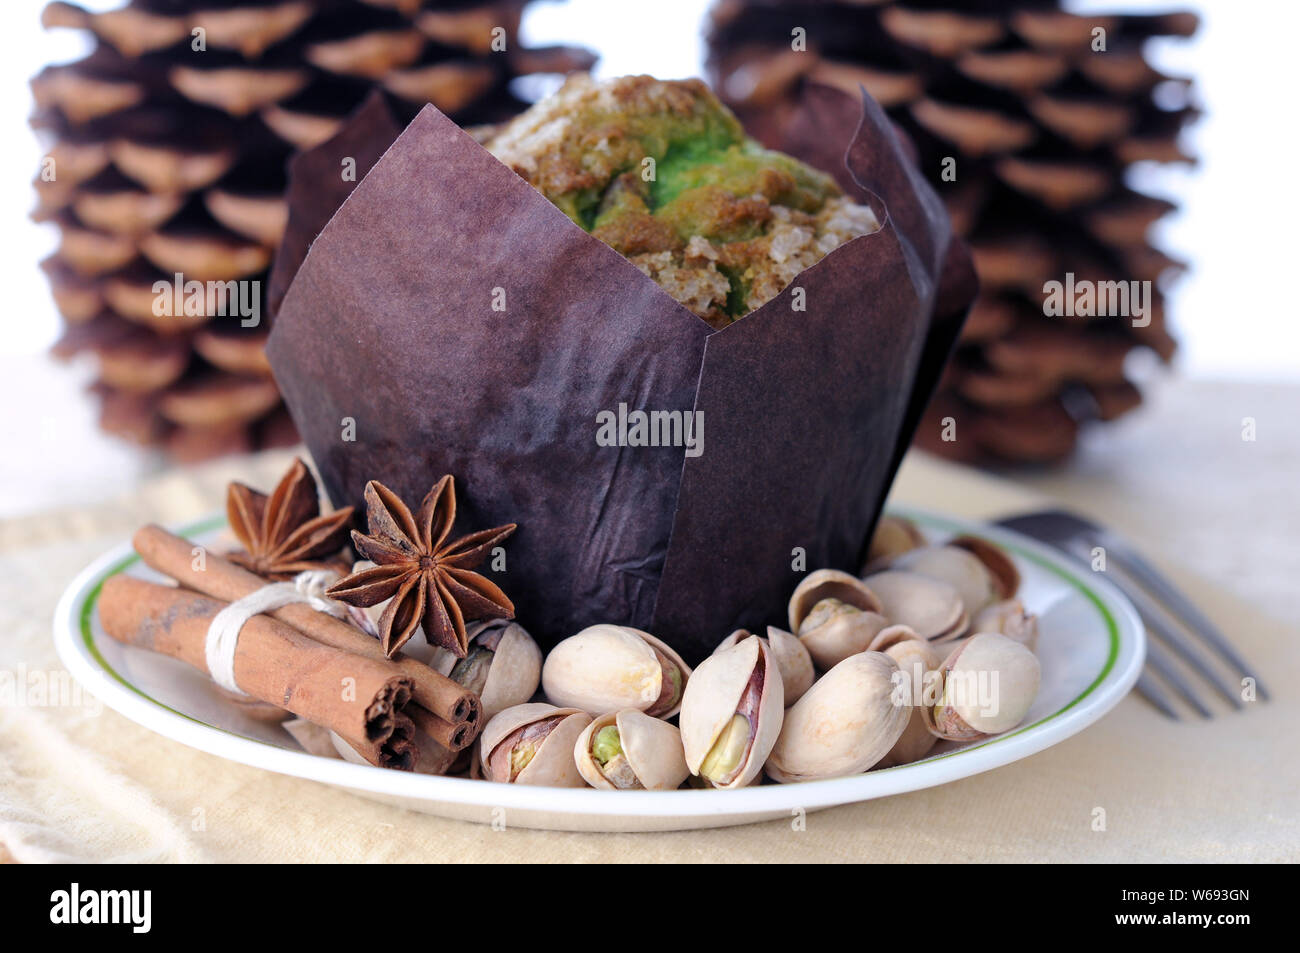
[[1091, 647]]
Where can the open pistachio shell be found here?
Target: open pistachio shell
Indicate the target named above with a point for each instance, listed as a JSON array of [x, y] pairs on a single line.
[[833, 632], [980, 571], [931, 607], [542, 736], [989, 682], [995, 560], [894, 536], [845, 723], [793, 661], [917, 659], [731, 714], [829, 584], [791, 657], [645, 753], [902, 642], [503, 664], [609, 667], [958, 567], [1011, 619], [516, 671], [834, 615]]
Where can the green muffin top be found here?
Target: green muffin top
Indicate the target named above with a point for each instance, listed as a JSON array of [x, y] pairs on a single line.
[[663, 173]]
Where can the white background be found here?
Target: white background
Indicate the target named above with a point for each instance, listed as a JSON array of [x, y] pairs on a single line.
[[1235, 312]]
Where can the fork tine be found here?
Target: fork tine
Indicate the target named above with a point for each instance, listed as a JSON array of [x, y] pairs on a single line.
[[1156, 621], [1157, 659], [1136, 566], [1149, 689], [1155, 616], [1186, 650], [1163, 608]]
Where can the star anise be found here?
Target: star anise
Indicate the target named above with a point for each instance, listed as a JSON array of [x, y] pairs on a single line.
[[285, 534], [430, 580]]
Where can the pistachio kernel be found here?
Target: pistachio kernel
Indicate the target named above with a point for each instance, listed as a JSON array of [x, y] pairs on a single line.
[[521, 755], [607, 745], [518, 749], [724, 758], [472, 670]]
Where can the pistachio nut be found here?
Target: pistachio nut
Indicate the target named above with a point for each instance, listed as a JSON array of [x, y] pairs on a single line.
[[995, 560], [835, 615], [610, 667], [1010, 618], [533, 744], [986, 686], [844, 724], [980, 572], [731, 714], [917, 659], [629, 750], [894, 536], [913, 744], [791, 657], [503, 665], [931, 607]]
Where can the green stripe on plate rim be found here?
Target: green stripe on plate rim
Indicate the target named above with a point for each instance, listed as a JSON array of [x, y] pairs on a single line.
[[216, 522]]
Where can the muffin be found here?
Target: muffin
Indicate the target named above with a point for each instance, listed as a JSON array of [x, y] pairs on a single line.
[[664, 174], [387, 323]]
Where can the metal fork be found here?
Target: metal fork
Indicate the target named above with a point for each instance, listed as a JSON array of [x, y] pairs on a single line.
[[1168, 614]]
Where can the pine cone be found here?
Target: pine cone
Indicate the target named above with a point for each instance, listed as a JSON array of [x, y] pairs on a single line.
[[167, 155], [1039, 128]]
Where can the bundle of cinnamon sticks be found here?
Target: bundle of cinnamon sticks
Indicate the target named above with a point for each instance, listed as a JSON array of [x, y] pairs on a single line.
[[321, 668]]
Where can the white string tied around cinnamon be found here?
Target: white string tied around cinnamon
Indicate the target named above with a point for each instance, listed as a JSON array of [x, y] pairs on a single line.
[[223, 632]]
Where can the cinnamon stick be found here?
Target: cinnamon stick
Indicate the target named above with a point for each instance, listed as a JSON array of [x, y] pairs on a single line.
[[173, 556], [364, 701], [454, 737]]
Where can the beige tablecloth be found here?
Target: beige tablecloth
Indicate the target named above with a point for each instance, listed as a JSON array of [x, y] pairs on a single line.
[[76, 784]]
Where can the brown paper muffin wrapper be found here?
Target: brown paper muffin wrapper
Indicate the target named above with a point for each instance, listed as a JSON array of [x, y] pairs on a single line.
[[318, 186], [397, 368]]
